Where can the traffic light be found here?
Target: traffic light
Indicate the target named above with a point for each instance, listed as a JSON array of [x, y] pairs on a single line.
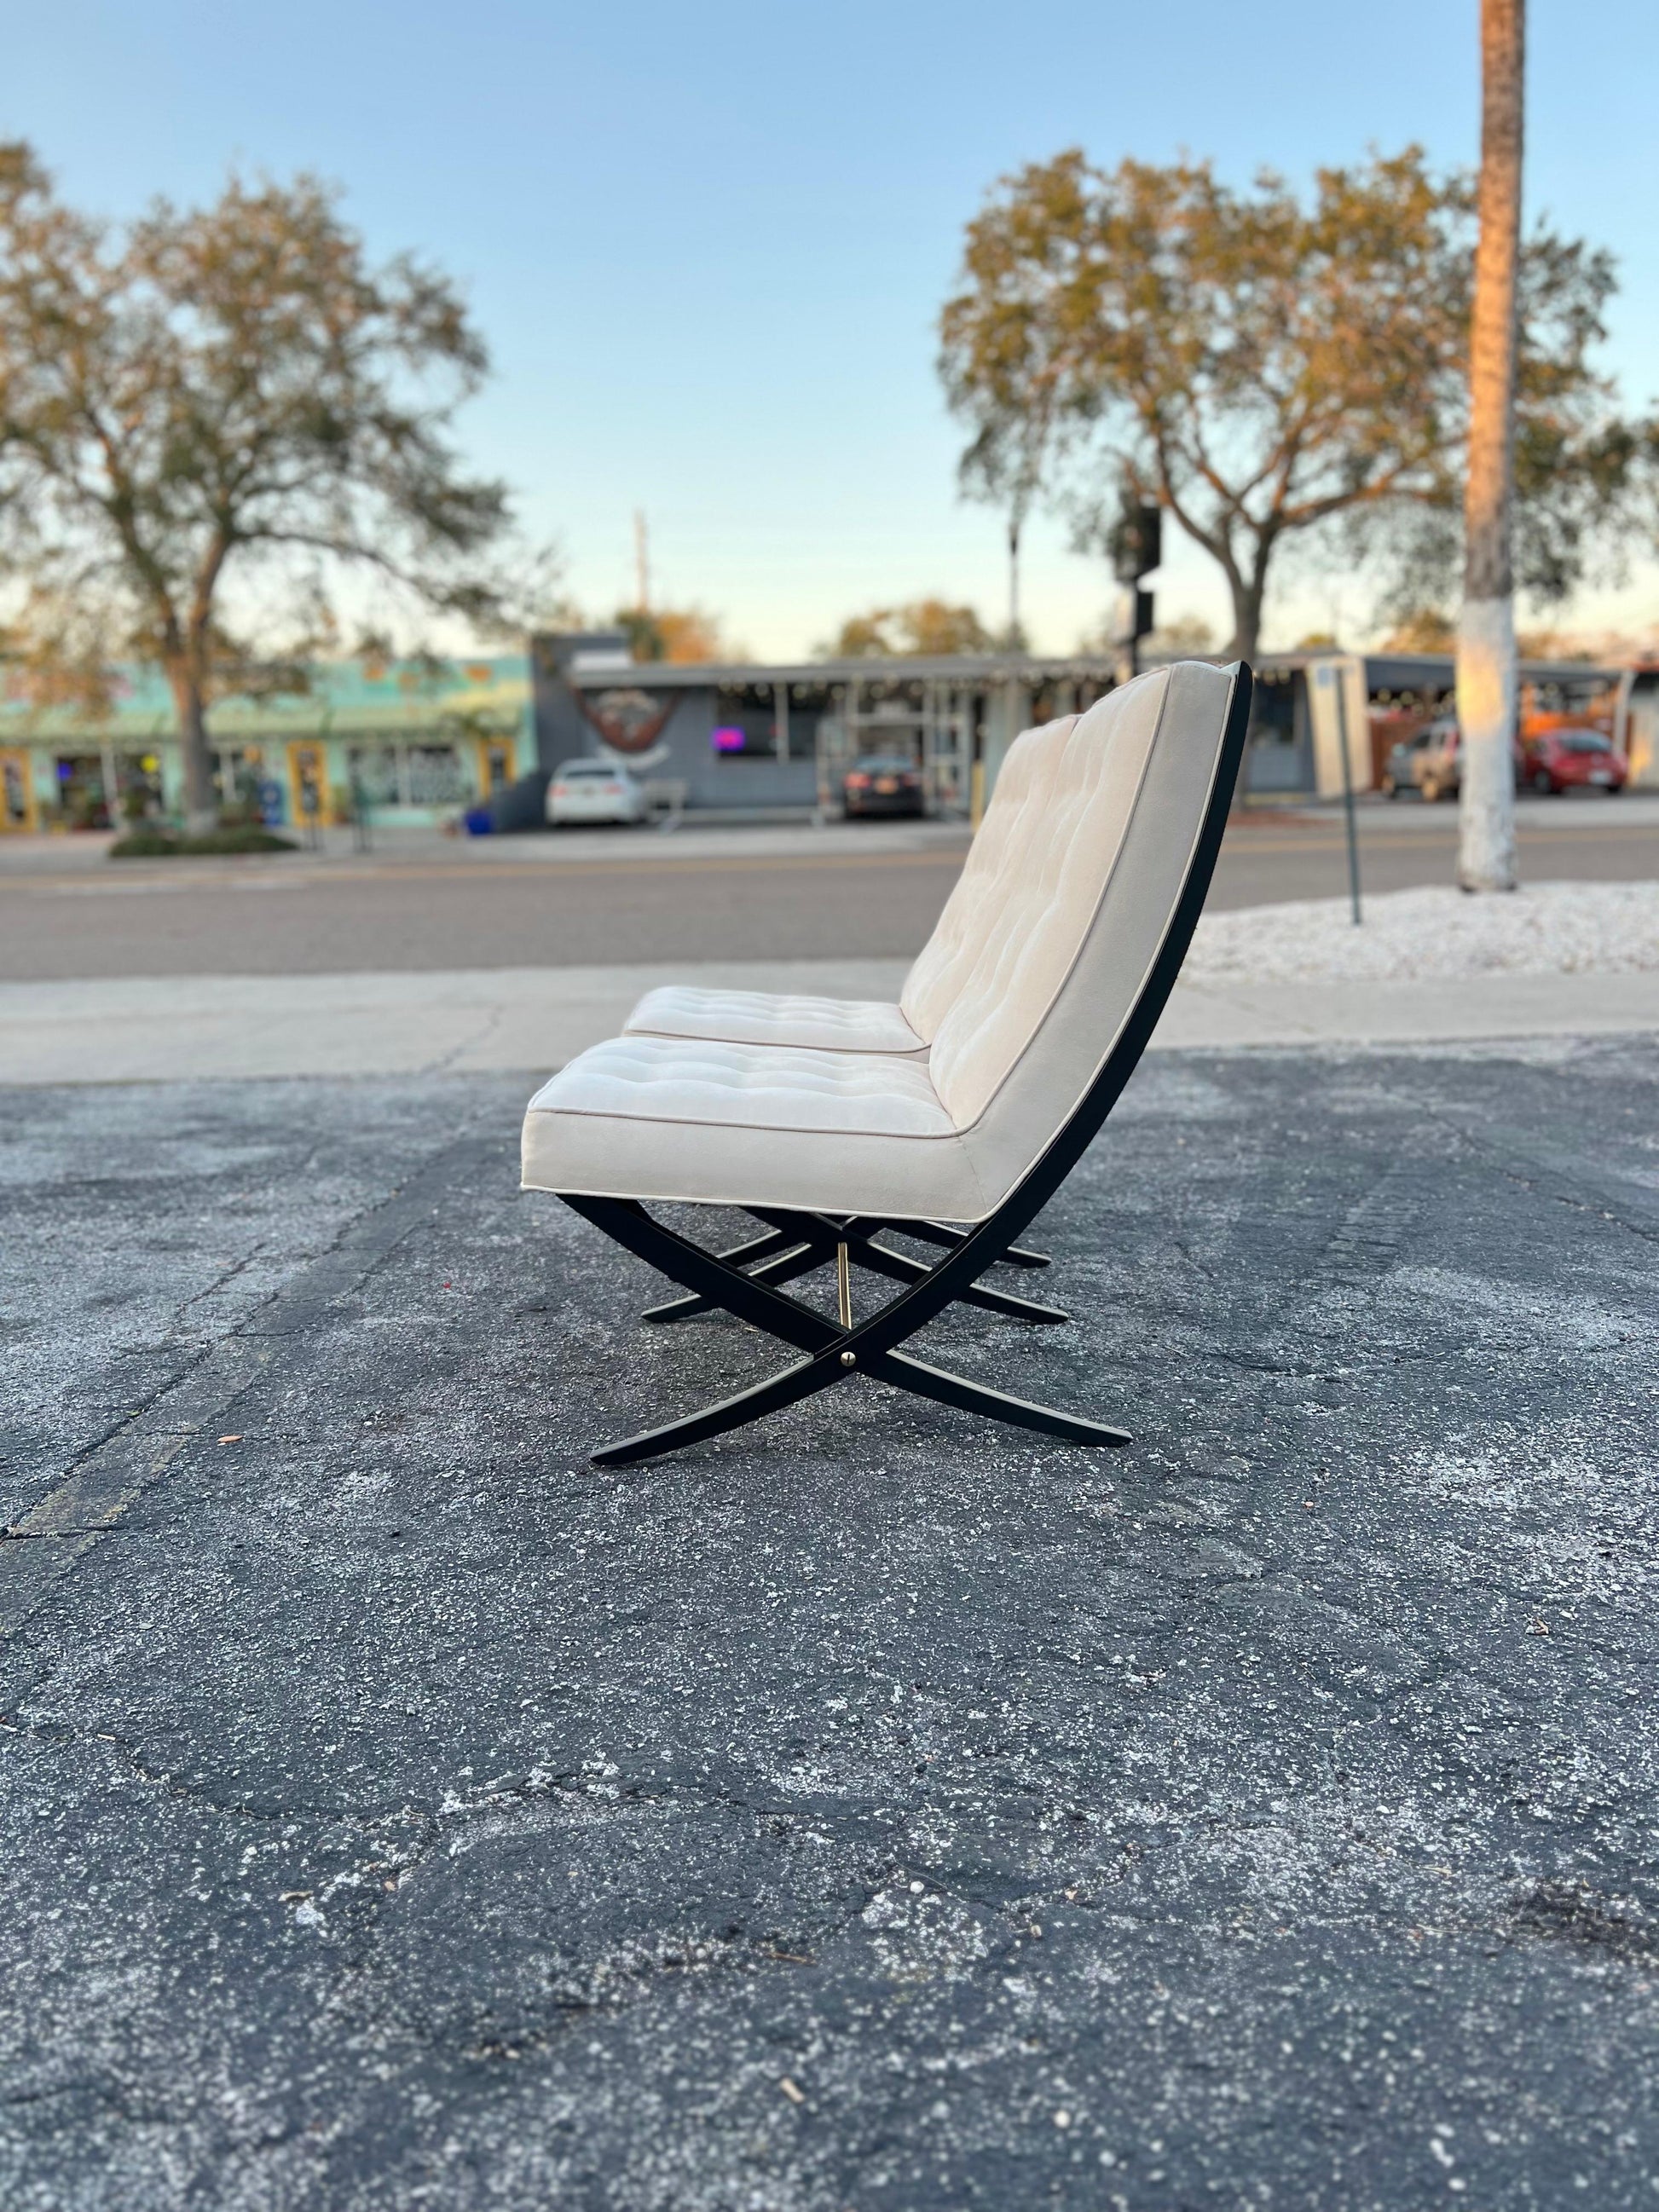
[[1135, 541], [1135, 545]]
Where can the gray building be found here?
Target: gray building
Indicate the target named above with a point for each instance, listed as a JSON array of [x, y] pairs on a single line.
[[748, 737]]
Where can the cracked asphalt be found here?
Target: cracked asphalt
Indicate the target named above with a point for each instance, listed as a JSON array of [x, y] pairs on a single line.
[[876, 1811]]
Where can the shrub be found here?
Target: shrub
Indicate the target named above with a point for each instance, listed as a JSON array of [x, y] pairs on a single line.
[[144, 844]]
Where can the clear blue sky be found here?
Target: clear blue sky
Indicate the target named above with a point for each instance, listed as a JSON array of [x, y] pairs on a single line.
[[708, 243]]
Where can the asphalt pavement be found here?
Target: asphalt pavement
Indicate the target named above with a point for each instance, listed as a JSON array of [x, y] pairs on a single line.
[[421, 901], [878, 1811]]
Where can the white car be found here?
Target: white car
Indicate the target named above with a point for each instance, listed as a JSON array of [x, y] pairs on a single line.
[[593, 791]]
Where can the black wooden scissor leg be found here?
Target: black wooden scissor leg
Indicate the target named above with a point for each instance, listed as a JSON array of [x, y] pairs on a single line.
[[833, 1354], [781, 1257], [900, 1267], [756, 1248], [940, 1232], [769, 1397], [938, 1383], [857, 1231]]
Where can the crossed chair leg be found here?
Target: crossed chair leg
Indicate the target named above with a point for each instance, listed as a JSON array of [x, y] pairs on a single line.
[[743, 1281], [798, 1244]]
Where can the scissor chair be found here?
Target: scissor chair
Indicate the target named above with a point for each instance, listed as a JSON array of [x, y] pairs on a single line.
[[949, 1118]]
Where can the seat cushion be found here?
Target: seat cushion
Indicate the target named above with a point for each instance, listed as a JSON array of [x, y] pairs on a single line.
[[748, 1086], [724, 1124], [868, 1025]]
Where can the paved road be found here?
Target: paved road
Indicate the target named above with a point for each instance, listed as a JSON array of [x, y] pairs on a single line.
[[395, 1815], [705, 896]]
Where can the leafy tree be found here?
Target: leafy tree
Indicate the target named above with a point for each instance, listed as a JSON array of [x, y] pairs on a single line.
[[1181, 638], [1564, 645], [924, 626], [219, 400], [676, 633], [1264, 368], [1421, 629]]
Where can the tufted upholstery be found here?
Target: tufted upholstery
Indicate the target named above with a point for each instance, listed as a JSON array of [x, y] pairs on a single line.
[[748, 1086], [1011, 929], [1025, 912], [987, 877], [869, 1025], [665, 1117], [1037, 963], [773, 1018]]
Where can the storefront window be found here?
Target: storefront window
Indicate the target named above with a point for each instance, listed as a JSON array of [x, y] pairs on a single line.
[[746, 720], [435, 776], [138, 778], [80, 790], [238, 772], [408, 776], [374, 777]]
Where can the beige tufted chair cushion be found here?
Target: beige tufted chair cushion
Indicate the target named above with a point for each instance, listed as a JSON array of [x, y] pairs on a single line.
[[1034, 879], [1039, 961], [947, 959]]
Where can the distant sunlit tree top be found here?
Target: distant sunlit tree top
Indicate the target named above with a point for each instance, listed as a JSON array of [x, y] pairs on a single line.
[[923, 626], [676, 633]]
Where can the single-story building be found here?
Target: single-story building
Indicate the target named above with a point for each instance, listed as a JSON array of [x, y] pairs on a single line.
[[758, 736], [405, 741], [1305, 702], [422, 741]]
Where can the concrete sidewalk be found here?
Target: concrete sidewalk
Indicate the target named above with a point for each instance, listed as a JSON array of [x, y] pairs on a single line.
[[479, 1021]]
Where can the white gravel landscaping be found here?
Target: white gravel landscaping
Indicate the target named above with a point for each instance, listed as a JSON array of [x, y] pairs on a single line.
[[1436, 933]]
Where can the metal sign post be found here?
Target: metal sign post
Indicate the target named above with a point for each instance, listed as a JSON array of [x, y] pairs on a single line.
[[1335, 676]]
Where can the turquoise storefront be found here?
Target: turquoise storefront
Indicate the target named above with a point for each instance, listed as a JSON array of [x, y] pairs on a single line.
[[407, 741]]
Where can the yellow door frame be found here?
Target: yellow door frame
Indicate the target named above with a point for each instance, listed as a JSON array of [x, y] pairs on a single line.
[[16, 757], [486, 746], [300, 750]]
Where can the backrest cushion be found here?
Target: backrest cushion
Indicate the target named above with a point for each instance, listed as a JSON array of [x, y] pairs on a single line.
[[989, 874], [1064, 808]]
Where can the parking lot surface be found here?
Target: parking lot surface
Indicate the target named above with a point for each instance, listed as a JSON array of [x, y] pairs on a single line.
[[879, 1811]]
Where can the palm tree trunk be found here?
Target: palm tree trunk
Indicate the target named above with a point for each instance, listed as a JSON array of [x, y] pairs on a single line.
[[1487, 686]]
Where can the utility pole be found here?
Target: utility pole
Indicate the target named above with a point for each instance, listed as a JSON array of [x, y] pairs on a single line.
[[1135, 542], [1013, 581], [1339, 672], [641, 563]]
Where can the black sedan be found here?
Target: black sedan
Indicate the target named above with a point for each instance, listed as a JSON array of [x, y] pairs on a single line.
[[879, 784]]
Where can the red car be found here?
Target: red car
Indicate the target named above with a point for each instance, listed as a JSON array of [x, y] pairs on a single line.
[[1560, 760]]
